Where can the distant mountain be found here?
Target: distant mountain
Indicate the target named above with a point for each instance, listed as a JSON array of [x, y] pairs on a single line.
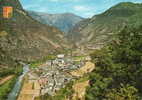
[[25, 39], [64, 21], [98, 30]]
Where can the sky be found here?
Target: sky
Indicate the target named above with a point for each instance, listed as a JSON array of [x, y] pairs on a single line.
[[84, 8]]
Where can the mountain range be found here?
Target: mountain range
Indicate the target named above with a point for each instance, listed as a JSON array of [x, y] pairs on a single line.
[[64, 21], [23, 38], [99, 30]]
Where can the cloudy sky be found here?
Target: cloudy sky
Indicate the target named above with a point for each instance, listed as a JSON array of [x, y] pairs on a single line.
[[84, 8]]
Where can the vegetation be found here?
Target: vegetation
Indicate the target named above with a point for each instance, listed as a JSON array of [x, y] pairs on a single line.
[[118, 74], [6, 88], [6, 72], [79, 57], [13, 70], [39, 62]]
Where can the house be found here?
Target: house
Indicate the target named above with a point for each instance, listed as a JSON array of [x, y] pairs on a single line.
[[43, 81], [88, 58], [60, 56]]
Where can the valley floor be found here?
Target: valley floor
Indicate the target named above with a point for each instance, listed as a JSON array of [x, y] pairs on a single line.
[[53, 75]]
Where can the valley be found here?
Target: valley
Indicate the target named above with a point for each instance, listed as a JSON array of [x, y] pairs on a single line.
[[67, 57], [51, 76]]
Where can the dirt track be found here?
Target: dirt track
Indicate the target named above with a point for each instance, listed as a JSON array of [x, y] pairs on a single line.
[[5, 79]]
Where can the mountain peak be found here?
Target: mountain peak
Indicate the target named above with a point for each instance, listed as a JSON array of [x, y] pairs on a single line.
[[127, 4], [99, 28], [63, 21], [124, 9]]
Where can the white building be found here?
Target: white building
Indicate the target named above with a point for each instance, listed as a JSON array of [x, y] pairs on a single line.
[[60, 56]]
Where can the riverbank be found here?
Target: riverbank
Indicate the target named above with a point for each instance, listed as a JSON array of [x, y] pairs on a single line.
[[17, 87], [6, 87], [7, 83]]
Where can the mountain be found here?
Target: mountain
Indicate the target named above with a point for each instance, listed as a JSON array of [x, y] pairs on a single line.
[[99, 30], [64, 21], [24, 39]]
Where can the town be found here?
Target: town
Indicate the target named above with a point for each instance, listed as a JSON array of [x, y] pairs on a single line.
[[51, 76]]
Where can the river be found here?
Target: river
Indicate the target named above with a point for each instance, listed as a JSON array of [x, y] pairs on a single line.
[[16, 89]]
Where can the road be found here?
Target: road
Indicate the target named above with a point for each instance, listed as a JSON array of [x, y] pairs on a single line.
[[5, 79]]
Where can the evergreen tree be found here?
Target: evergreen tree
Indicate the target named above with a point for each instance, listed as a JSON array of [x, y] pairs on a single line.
[[118, 74]]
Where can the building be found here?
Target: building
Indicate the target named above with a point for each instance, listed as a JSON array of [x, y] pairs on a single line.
[[60, 56], [88, 58]]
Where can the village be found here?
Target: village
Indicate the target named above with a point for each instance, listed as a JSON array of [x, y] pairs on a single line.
[[51, 76]]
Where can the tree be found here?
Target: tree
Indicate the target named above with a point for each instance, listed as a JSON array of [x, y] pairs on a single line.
[[118, 68]]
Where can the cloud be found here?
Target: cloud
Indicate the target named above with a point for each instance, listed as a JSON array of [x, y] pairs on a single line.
[[88, 14], [82, 8], [64, 0]]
